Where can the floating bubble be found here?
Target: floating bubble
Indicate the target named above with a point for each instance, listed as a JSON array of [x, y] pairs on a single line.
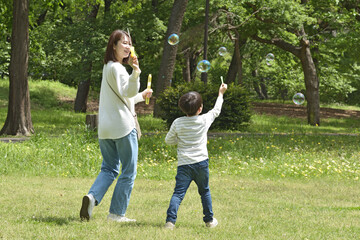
[[298, 98], [173, 39], [203, 66], [269, 58], [222, 51]]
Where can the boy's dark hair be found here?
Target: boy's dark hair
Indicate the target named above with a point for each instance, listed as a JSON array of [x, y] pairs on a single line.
[[190, 103]]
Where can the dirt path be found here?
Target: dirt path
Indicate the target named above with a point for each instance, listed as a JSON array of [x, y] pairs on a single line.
[[290, 110]]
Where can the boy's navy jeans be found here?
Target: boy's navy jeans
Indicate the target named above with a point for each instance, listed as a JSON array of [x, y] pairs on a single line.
[[199, 172]]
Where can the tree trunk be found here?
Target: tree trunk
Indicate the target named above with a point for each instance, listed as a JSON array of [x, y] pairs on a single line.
[[193, 56], [18, 120], [186, 69], [82, 94], [238, 44], [107, 4], [258, 87], [311, 83], [235, 68], [263, 88], [231, 74], [169, 53], [204, 75]]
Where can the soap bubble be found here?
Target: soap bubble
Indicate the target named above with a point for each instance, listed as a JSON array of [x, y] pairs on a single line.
[[298, 98], [269, 58], [203, 66], [222, 51], [173, 39]]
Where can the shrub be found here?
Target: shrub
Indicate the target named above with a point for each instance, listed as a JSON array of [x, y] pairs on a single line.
[[235, 112], [354, 98]]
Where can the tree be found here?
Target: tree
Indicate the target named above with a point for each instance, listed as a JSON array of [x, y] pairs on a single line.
[[235, 68], [206, 36], [169, 53], [276, 31], [82, 94], [302, 51], [18, 120]]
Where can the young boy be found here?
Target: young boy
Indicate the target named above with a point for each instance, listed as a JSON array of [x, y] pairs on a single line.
[[190, 135]]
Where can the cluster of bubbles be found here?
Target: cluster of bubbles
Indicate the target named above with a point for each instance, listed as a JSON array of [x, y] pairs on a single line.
[[298, 98], [203, 65]]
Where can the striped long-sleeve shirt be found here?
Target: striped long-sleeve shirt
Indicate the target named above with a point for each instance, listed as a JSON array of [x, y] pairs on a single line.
[[190, 135]]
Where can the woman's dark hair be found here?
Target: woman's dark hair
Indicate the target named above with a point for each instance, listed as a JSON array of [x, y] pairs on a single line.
[[115, 36], [190, 103]]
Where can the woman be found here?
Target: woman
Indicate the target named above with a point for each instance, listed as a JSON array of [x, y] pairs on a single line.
[[116, 130]]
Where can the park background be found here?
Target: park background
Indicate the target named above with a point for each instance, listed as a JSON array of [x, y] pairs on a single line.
[[280, 175]]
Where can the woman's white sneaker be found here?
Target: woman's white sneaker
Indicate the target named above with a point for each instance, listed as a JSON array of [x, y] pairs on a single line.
[[118, 218], [88, 204]]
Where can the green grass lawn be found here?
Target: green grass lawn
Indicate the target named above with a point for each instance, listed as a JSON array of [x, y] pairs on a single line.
[[276, 179], [247, 208]]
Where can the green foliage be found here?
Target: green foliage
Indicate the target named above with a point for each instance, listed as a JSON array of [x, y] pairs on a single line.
[[354, 98], [67, 46], [282, 77], [5, 34], [150, 124], [235, 112]]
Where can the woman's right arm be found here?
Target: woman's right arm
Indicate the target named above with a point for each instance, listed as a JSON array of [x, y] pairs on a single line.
[[128, 86]]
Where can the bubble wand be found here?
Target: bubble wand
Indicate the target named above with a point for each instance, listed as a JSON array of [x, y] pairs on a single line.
[[222, 80], [147, 100], [132, 49]]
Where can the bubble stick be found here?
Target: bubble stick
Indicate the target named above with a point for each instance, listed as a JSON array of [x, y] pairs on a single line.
[[132, 51], [147, 100]]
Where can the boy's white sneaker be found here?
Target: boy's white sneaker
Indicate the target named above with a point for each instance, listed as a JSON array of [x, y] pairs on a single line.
[[118, 218], [88, 204], [169, 225], [212, 223]]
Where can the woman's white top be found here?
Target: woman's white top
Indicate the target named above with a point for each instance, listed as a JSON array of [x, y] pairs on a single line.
[[115, 119]]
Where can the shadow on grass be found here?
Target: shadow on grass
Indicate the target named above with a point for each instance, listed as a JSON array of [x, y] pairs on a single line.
[[55, 220]]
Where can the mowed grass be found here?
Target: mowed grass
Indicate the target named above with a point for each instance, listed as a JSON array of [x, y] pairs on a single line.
[[276, 179], [247, 208]]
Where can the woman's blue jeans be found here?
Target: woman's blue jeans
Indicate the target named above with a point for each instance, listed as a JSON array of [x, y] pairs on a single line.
[[116, 152], [199, 173]]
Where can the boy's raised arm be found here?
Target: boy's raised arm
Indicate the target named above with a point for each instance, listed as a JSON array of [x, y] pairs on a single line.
[[222, 89]]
